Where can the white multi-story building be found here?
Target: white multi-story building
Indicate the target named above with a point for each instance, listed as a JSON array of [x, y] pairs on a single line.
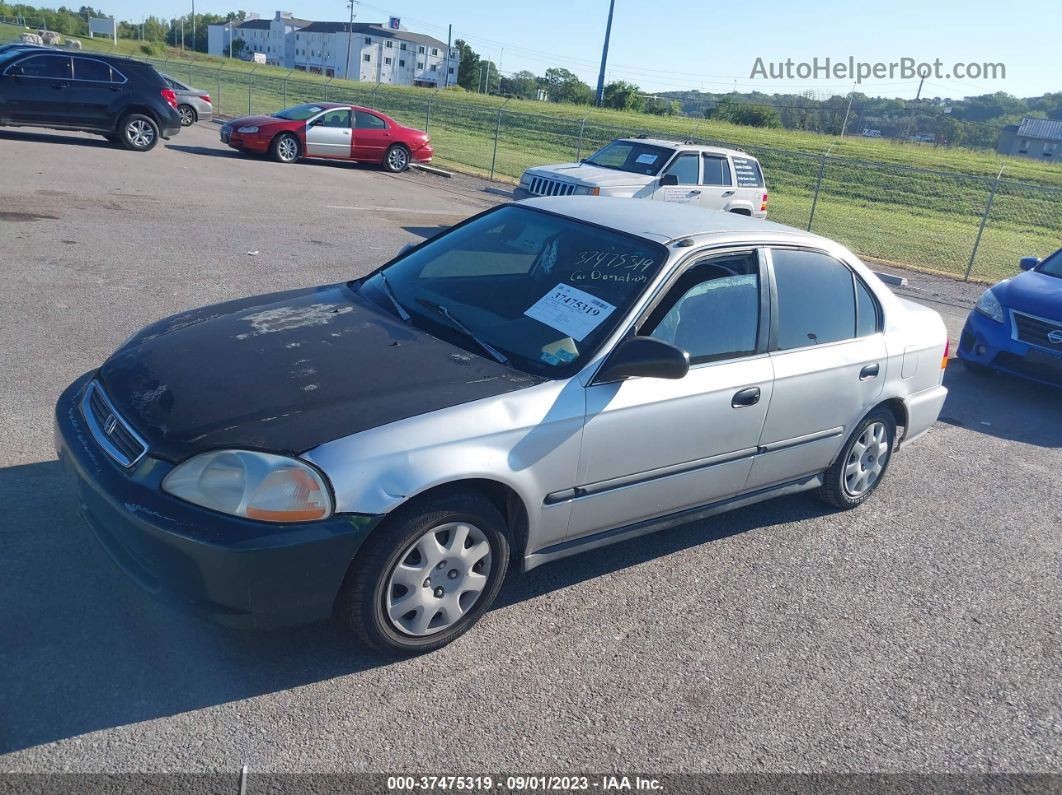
[[362, 51]]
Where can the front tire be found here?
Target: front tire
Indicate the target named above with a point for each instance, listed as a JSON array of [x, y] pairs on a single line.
[[863, 461], [187, 114], [427, 575], [138, 132], [397, 159], [284, 148]]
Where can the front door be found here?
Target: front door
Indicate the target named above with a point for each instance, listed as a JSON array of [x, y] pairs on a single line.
[[829, 364], [36, 90], [330, 135], [652, 446], [686, 169], [372, 136]]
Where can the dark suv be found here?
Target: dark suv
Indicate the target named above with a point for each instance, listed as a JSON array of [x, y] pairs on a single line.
[[126, 101]]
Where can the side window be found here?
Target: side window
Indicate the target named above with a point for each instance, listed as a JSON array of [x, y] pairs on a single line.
[[91, 69], [816, 303], [868, 315], [713, 310], [369, 121], [685, 168], [716, 170], [748, 173], [336, 118], [51, 66]]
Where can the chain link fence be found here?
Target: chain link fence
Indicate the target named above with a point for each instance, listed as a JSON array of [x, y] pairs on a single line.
[[960, 224]]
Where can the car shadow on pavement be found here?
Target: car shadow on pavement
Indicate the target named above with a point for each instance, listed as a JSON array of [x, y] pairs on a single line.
[[209, 151], [84, 649], [1003, 406], [426, 231], [86, 139]]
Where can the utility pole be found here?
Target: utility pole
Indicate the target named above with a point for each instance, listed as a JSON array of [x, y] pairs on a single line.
[[182, 34], [604, 55], [449, 46], [350, 34], [193, 25], [844, 124]]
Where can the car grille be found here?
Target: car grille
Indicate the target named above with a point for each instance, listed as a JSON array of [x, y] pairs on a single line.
[[1034, 330], [226, 133], [109, 428], [540, 186]]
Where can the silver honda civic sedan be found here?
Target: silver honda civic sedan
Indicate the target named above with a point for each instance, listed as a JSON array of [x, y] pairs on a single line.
[[541, 380], [193, 104]]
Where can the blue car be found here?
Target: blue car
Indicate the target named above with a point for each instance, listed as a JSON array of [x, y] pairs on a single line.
[[1016, 326]]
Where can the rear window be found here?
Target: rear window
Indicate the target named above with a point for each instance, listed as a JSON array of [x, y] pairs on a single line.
[[748, 172]]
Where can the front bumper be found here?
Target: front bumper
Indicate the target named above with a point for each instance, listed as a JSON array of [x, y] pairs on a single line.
[[235, 571], [250, 143], [991, 344]]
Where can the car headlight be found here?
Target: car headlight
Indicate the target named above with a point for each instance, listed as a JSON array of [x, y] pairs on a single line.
[[262, 486], [585, 190], [247, 130], [989, 306]]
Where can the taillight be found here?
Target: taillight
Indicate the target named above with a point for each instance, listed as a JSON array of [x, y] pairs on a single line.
[[595, 191], [947, 350], [169, 95], [763, 204], [205, 98]]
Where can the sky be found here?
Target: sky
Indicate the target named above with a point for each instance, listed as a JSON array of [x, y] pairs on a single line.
[[664, 45]]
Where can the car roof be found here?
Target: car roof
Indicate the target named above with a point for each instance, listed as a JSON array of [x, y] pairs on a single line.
[[683, 145], [664, 222]]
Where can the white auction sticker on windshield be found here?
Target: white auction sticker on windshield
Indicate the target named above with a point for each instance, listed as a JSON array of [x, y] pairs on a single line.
[[646, 158], [570, 311]]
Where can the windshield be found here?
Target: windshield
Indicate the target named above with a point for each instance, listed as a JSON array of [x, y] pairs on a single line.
[[540, 289], [1052, 266], [637, 158], [299, 112]]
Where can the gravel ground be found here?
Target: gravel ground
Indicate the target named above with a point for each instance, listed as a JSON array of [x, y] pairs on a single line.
[[920, 633]]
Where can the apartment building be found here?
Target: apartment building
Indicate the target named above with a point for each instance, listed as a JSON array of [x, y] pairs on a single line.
[[363, 51]]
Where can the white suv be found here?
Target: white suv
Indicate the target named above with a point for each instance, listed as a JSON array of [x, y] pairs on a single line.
[[648, 168]]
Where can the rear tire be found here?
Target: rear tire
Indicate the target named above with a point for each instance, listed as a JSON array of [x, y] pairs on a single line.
[[284, 148], [443, 557], [864, 459], [138, 132], [187, 114], [396, 160]]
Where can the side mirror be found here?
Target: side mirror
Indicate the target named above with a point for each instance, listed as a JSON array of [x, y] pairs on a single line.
[[1028, 263], [13, 71], [405, 248], [668, 180], [646, 357]]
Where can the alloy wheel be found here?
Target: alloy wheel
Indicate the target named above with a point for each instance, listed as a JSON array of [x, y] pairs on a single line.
[[287, 149], [397, 158], [187, 117], [438, 579], [140, 133], [866, 459]]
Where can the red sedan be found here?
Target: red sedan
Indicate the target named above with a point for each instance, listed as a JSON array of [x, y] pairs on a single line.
[[329, 130]]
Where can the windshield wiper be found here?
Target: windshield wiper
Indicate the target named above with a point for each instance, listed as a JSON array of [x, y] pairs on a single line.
[[402, 313], [457, 324]]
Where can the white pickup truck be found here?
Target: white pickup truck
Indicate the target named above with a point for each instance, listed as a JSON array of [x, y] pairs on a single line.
[[649, 168]]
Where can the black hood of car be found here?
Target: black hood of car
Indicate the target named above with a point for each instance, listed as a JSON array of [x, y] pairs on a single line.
[[287, 372]]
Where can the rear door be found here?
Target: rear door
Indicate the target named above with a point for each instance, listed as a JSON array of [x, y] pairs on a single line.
[[717, 182], [686, 168], [372, 136], [36, 90], [93, 91], [829, 358], [330, 134]]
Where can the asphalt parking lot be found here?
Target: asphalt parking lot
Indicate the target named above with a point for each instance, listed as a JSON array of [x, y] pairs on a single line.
[[919, 633]]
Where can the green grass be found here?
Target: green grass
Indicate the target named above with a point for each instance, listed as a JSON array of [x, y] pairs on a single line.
[[913, 205]]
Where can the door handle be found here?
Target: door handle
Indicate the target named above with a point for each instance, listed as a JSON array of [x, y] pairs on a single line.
[[746, 397], [728, 193], [58, 86], [695, 193], [870, 371]]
